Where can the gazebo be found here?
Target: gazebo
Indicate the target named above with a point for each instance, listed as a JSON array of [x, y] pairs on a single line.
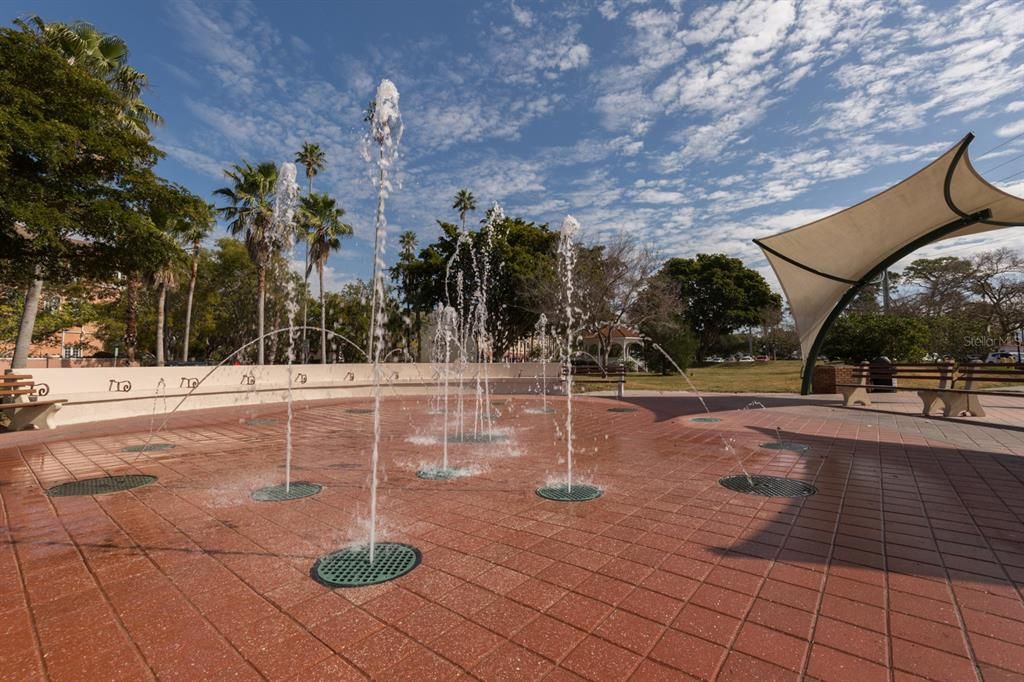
[[613, 336], [824, 264]]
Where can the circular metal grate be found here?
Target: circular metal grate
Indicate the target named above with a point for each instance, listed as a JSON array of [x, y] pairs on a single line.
[[768, 486], [152, 447], [784, 445], [280, 493], [439, 474], [478, 438], [360, 410], [706, 419], [100, 486], [351, 567], [261, 421], [622, 409], [562, 493]]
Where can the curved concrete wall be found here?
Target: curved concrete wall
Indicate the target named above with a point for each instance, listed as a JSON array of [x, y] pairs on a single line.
[[96, 394]]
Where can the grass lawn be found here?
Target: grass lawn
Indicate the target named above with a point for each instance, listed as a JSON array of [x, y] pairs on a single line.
[[780, 376]]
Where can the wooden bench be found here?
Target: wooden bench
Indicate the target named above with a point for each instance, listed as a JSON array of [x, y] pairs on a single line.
[[962, 396], [593, 374], [19, 400], [866, 374]]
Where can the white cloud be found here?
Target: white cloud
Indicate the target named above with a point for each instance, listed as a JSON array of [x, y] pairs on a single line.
[[1015, 106], [1012, 129]]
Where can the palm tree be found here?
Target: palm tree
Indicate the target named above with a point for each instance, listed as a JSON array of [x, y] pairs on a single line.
[[464, 203], [312, 159], [104, 56], [196, 230], [323, 220], [164, 279], [250, 212], [404, 273]]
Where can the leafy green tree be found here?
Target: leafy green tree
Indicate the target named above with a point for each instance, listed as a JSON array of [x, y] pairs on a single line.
[[323, 220], [864, 336], [250, 212], [941, 286], [719, 294], [71, 169]]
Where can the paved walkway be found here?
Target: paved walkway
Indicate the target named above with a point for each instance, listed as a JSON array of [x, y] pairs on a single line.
[[908, 563]]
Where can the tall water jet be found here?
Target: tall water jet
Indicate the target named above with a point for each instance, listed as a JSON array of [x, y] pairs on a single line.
[[354, 566], [482, 332], [565, 492], [286, 202], [386, 131], [541, 331], [447, 325]]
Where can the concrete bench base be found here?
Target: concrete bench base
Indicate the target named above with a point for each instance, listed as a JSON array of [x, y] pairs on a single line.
[[853, 395], [32, 415]]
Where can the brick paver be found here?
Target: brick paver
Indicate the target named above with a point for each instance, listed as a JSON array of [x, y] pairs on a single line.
[[909, 561]]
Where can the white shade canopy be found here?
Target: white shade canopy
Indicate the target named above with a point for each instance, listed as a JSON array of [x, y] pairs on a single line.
[[822, 265]]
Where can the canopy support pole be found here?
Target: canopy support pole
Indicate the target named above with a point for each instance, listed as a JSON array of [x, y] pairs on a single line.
[[892, 259]]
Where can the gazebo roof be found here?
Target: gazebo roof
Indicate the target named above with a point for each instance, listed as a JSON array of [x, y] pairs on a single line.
[[618, 331], [822, 265]]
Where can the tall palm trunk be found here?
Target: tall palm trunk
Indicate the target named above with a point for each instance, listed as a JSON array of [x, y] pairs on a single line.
[[191, 293], [131, 321], [419, 337], [305, 295], [261, 283], [161, 316], [28, 324], [323, 318]]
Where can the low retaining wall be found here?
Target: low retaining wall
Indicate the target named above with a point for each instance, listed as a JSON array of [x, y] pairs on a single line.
[[96, 394], [825, 378]]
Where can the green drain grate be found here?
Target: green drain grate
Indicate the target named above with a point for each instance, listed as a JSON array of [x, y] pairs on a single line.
[[784, 445], [100, 486], [261, 421], [152, 447], [280, 493], [768, 486], [622, 409], [351, 567], [477, 438], [706, 419], [562, 493], [440, 474]]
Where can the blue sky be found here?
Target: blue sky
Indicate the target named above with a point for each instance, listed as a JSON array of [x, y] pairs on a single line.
[[695, 127]]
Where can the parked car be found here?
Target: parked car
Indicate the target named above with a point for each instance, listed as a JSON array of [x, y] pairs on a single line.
[[762, 358], [714, 359], [1000, 358], [931, 357], [973, 358], [746, 358], [796, 355]]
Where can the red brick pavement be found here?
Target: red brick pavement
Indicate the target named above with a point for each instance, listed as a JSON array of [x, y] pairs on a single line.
[[907, 564]]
